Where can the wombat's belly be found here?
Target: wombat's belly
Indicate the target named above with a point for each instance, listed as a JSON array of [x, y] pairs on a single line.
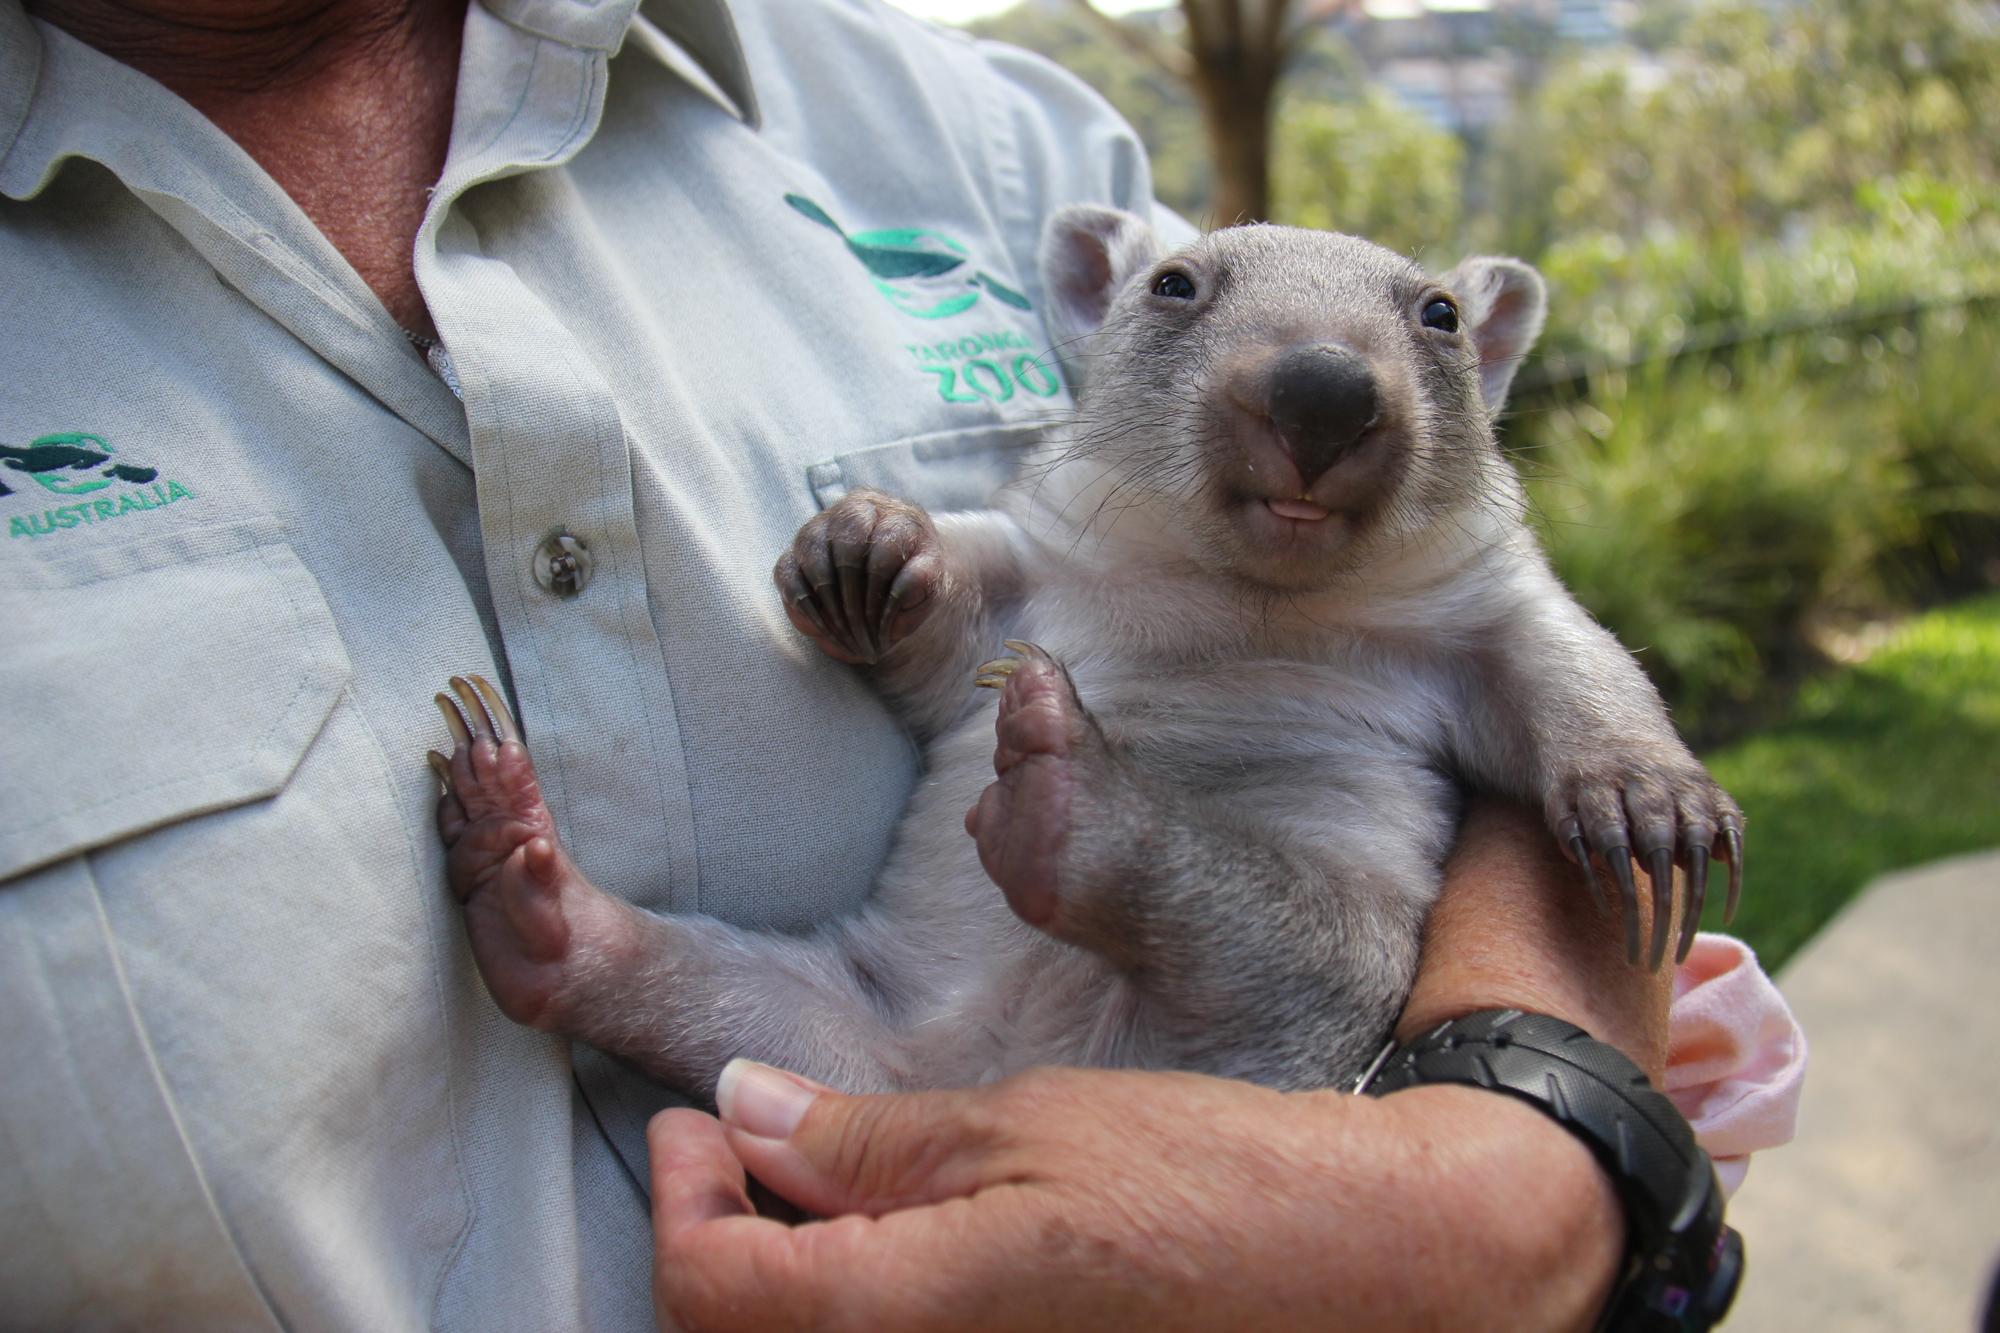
[[985, 995]]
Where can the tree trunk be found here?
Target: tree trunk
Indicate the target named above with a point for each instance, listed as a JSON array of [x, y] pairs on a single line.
[[1237, 52], [1236, 112]]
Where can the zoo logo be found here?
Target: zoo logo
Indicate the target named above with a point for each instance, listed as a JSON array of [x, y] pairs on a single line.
[[924, 274], [68, 464], [918, 270]]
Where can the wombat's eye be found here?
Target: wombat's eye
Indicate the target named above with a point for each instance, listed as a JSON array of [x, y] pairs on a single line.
[[1441, 315], [1175, 284]]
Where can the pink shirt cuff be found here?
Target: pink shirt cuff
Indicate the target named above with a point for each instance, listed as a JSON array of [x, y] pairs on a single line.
[[1736, 1059]]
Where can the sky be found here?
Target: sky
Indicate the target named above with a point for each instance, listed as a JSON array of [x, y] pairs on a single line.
[[959, 11]]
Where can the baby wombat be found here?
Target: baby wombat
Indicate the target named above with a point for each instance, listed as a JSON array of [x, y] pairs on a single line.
[[1270, 601]]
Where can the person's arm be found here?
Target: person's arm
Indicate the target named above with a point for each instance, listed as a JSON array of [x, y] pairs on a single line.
[[1516, 929], [1089, 1197]]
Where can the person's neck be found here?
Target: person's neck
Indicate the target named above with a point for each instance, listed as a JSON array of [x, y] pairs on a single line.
[[347, 104]]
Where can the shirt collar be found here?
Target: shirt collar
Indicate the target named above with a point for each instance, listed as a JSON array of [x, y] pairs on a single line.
[[702, 29]]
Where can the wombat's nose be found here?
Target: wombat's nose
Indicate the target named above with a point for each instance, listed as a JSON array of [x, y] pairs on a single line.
[[1322, 399]]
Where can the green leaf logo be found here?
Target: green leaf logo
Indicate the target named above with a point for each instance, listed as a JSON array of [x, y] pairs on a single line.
[[919, 271]]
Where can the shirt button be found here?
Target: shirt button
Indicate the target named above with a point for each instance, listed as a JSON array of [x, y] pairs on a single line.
[[563, 565]]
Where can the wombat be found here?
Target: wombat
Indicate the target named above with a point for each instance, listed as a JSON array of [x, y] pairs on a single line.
[[1270, 605]]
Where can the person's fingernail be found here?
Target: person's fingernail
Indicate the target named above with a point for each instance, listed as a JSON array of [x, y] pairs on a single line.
[[760, 1100]]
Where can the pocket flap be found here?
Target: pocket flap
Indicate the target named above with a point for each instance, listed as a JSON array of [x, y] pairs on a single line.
[[151, 682], [944, 471]]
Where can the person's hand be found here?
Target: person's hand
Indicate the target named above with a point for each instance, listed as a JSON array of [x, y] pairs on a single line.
[[1078, 1198], [1094, 1199]]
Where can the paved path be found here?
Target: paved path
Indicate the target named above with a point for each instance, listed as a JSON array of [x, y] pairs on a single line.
[[1885, 1213]]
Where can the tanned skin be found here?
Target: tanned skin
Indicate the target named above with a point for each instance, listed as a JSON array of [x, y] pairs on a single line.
[[346, 104]]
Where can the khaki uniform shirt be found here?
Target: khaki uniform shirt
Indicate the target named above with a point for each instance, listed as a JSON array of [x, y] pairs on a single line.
[[695, 273]]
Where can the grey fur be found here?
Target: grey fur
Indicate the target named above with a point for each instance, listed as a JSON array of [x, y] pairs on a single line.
[[1279, 718]]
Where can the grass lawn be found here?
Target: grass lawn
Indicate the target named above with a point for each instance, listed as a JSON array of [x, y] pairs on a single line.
[[1887, 764]]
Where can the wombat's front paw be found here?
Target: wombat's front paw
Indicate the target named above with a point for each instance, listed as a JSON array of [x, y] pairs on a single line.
[[529, 911], [861, 576], [1668, 811], [1037, 823]]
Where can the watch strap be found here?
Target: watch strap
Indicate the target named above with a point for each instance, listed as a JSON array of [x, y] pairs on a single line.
[[1683, 1263]]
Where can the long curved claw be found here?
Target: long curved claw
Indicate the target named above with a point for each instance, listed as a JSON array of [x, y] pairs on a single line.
[[504, 726], [1620, 858], [1696, 894], [442, 767], [993, 675], [1581, 855], [1660, 869], [853, 607], [455, 721], [1732, 839], [475, 710], [808, 605]]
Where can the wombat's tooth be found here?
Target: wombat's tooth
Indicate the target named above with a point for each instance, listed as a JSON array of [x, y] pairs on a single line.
[[999, 666]]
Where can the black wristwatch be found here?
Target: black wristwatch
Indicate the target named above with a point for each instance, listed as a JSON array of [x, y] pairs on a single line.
[[1682, 1263]]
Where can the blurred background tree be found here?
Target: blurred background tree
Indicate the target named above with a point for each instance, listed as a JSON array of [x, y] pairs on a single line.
[[1763, 426], [1231, 57]]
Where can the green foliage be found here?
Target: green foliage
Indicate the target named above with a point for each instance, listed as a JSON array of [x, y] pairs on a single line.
[[1370, 167], [1711, 510], [1755, 118], [1945, 418], [1891, 763], [1699, 521]]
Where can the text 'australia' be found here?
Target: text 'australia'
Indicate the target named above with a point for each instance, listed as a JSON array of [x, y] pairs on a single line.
[[86, 512]]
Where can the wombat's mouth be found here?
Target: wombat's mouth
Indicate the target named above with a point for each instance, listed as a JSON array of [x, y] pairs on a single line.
[[1289, 529], [1303, 511]]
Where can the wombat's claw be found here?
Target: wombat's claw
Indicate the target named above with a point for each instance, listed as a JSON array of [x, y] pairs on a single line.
[[1580, 854], [808, 606], [1660, 869], [993, 675], [859, 578], [477, 713], [1620, 859], [482, 698], [1732, 841], [1697, 895], [1662, 814], [455, 721]]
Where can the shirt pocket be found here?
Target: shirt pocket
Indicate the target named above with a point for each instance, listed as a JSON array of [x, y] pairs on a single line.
[[944, 471], [216, 943], [157, 681]]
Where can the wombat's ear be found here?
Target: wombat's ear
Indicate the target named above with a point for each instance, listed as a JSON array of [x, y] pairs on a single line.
[[1088, 255], [1502, 302]]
